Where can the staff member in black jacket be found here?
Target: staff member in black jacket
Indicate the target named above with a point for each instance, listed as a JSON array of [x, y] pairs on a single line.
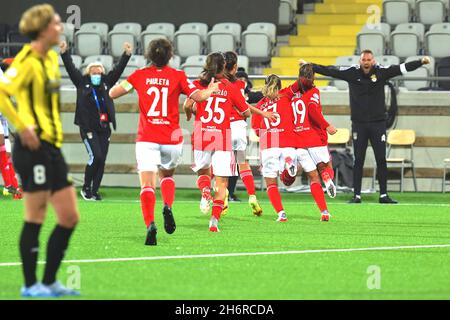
[[94, 114], [368, 112]]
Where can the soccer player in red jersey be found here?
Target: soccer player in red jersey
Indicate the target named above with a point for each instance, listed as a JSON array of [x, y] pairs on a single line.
[[212, 134], [309, 124], [159, 141], [276, 137], [238, 127]]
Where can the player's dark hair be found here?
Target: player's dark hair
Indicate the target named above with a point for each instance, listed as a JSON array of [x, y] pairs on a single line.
[[272, 86], [306, 77], [159, 52], [215, 65], [231, 59]]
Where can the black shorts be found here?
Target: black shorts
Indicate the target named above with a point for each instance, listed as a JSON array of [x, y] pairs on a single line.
[[41, 170]]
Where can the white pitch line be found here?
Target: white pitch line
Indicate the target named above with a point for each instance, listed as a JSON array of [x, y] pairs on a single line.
[[244, 254], [445, 205]]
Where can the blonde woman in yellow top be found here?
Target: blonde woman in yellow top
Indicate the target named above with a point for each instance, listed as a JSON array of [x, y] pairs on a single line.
[[33, 80]]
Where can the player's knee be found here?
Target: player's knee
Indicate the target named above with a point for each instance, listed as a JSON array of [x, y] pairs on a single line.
[[70, 220]]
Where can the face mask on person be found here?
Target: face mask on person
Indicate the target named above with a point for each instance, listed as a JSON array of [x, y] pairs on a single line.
[[96, 79]]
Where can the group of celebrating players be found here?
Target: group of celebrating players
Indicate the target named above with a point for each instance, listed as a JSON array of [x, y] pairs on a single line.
[[289, 122]]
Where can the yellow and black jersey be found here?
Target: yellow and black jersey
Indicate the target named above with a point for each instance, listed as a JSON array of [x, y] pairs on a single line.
[[34, 82]]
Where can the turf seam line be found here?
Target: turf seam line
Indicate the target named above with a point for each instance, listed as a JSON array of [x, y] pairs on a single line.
[[244, 254]]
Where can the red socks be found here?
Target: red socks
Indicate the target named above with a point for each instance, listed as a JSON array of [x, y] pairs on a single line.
[[12, 175], [327, 173], [249, 182], [217, 208], [318, 195], [275, 197], [5, 168], [168, 190], [148, 200], [204, 182]]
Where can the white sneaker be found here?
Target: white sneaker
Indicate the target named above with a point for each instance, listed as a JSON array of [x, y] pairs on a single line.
[[37, 290], [331, 188], [214, 225], [58, 290], [205, 202], [282, 217], [290, 166]]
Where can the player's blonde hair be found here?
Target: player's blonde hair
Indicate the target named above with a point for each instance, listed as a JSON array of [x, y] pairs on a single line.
[[35, 20], [272, 87]]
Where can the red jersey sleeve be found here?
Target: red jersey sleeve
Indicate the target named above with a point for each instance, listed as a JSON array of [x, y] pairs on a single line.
[[187, 87], [237, 99], [316, 115], [257, 119], [290, 91], [133, 79]]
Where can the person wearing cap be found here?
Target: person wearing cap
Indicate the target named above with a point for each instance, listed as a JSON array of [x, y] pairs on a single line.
[[95, 113]]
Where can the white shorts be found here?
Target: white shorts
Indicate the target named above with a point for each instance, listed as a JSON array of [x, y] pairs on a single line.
[[319, 154], [311, 157], [239, 139], [152, 156], [273, 160], [223, 162]]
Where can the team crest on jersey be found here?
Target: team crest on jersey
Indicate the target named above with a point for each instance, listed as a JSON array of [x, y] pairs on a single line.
[[373, 78]]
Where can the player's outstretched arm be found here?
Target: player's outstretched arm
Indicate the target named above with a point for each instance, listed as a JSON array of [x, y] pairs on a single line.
[[265, 114], [120, 90], [188, 108], [203, 95]]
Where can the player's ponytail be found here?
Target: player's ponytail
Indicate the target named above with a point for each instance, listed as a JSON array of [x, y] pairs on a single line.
[[306, 77], [272, 87], [213, 68], [159, 52], [231, 59]]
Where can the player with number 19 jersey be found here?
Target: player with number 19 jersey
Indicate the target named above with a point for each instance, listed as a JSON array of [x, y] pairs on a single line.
[[159, 90]]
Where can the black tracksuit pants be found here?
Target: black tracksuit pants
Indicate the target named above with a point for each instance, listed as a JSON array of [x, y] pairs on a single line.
[[362, 133], [97, 145]]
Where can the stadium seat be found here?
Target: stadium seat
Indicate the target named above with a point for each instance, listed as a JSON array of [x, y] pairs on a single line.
[[397, 11], [443, 70], [68, 32], [166, 29], [243, 62], [387, 60], [190, 38], [286, 14], [430, 11], [258, 41], [437, 40], [156, 31], [106, 60], [345, 61], [426, 70], [401, 139], [224, 37], [407, 39], [175, 62], [77, 61], [340, 140], [194, 65], [90, 39], [373, 40], [121, 33]]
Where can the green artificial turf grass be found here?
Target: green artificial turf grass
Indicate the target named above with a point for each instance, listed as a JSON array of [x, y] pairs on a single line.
[[114, 229]]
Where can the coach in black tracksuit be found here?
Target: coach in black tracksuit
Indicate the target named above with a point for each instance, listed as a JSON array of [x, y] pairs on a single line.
[[94, 114], [368, 112]]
